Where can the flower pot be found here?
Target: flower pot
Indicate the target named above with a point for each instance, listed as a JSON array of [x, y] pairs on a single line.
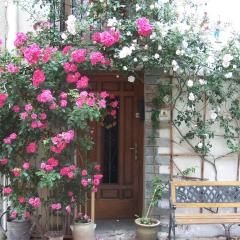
[[55, 235], [147, 231], [83, 231], [18, 230]]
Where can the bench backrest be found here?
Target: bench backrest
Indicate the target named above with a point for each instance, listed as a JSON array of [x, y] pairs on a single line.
[[197, 194]]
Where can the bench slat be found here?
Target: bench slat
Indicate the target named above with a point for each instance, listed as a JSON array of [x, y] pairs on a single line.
[[207, 218]]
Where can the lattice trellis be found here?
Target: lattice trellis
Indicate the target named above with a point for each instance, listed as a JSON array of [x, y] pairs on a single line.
[[207, 194]]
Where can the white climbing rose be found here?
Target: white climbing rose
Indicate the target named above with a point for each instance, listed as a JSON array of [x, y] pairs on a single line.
[[125, 51], [131, 79], [228, 75], [156, 56], [138, 8], [71, 24], [125, 68], [190, 83], [191, 96], [200, 145], [112, 22], [213, 115], [202, 81]]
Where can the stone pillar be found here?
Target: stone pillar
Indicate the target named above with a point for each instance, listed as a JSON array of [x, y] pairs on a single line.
[[156, 146]]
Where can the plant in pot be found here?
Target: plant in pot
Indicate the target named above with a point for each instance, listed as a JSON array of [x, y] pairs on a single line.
[[146, 226]]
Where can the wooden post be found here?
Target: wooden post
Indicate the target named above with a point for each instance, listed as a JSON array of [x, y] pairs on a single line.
[[93, 206]]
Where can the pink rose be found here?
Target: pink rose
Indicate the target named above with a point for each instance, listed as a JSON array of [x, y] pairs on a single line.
[[26, 165], [26, 214], [96, 57], [104, 94], [28, 107], [109, 38], [45, 96], [84, 182], [43, 116], [32, 53], [3, 98], [21, 39], [38, 77], [66, 50], [13, 136], [7, 190], [16, 108], [84, 172], [63, 95], [14, 214], [12, 69], [21, 200], [83, 82], [31, 148], [4, 161], [34, 116], [144, 27], [97, 167], [68, 209], [23, 115], [63, 103], [53, 106]]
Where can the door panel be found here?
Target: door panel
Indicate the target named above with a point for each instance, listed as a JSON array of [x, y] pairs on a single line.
[[117, 150]]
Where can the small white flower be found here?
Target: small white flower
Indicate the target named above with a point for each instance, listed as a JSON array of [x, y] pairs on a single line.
[[178, 52], [202, 81], [146, 47], [191, 96], [138, 8], [200, 145], [213, 115], [165, 1], [129, 33], [225, 64], [175, 65], [71, 21], [153, 35], [131, 79], [184, 44], [135, 60], [227, 58], [158, 6], [234, 66], [190, 83], [228, 75], [64, 36], [125, 68], [145, 59], [112, 22], [134, 40], [210, 60], [159, 47], [152, 6], [156, 56]]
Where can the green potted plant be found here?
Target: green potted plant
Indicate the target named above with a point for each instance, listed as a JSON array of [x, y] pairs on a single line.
[[146, 226]]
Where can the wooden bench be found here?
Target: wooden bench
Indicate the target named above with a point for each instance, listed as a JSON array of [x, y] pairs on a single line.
[[204, 194]]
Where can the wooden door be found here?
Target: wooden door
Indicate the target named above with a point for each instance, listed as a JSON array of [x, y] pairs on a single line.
[[119, 150]]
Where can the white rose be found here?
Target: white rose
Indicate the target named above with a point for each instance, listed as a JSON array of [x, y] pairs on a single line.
[[135, 60], [225, 64], [174, 63], [213, 115], [178, 52], [227, 58], [112, 22], [125, 68], [202, 81], [152, 6], [138, 8], [64, 36], [165, 1], [145, 59], [159, 47], [156, 56], [126, 51], [200, 145], [129, 33], [131, 79], [184, 44], [190, 83], [210, 60], [191, 96], [228, 75]]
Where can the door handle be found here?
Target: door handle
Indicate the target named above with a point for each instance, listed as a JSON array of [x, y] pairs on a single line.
[[135, 148]]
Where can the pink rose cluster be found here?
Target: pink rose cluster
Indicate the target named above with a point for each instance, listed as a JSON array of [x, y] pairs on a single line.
[[38, 77], [32, 53], [79, 55], [50, 165], [107, 38], [144, 27], [21, 39], [14, 214], [45, 97], [8, 140], [3, 98], [35, 202], [11, 68], [97, 57], [56, 206], [7, 190], [91, 100], [47, 53], [61, 140], [68, 171]]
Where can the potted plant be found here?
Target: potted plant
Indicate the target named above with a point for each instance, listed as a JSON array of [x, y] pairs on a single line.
[[83, 228], [147, 227]]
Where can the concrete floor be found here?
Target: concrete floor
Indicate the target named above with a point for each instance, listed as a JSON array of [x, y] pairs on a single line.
[[115, 229]]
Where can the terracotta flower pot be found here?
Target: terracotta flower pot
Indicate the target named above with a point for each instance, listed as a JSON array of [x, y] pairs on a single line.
[[18, 230], [83, 231], [147, 231]]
